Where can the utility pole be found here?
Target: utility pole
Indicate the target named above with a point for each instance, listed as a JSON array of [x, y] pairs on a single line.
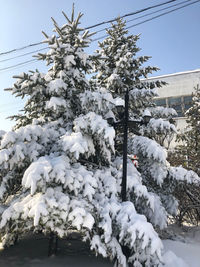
[[124, 176]]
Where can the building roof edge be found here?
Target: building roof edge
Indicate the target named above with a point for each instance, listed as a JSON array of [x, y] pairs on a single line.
[[172, 74]]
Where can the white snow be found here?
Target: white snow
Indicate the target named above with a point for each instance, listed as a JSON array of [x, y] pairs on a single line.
[[146, 113], [83, 57], [56, 84], [169, 75], [76, 144], [4, 155], [187, 251], [149, 148], [54, 102], [69, 60], [182, 174], [171, 260]]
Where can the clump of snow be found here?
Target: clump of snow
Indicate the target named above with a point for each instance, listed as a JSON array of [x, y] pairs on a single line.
[[181, 174], [99, 99], [56, 84], [55, 102], [163, 112], [171, 260], [149, 148], [77, 144], [161, 126], [92, 124], [69, 61]]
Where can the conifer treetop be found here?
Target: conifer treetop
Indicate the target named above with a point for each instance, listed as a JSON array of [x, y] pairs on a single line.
[[121, 68]]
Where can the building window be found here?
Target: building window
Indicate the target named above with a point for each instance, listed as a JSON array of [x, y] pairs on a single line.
[[181, 104], [187, 102], [161, 102], [176, 103]]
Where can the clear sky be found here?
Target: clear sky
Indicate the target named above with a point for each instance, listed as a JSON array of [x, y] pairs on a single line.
[[172, 40]]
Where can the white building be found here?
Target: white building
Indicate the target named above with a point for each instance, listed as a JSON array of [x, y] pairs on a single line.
[[178, 93]]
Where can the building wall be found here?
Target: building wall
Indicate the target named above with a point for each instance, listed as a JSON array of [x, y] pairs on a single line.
[[177, 94], [179, 84]]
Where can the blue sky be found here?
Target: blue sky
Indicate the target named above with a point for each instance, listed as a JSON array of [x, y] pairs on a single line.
[[171, 40]]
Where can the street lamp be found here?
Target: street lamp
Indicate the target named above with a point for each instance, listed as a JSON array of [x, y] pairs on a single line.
[[124, 121]]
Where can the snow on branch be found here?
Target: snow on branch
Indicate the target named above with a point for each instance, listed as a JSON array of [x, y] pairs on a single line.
[[49, 170], [54, 209], [149, 148], [138, 94], [99, 99], [100, 131], [135, 229], [181, 174], [159, 126], [26, 142], [55, 103], [77, 144], [163, 112], [55, 85]]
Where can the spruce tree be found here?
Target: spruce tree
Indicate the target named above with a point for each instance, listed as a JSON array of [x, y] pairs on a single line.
[[189, 139], [187, 154], [121, 70]]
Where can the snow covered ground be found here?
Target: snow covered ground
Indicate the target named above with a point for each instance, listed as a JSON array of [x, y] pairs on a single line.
[[185, 246], [32, 252]]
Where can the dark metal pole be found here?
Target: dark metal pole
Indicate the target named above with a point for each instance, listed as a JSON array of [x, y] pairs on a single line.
[[53, 244], [124, 177]]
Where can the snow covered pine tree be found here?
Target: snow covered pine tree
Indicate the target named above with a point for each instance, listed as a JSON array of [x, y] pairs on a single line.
[[152, 185], [58, 165], [188, 152]]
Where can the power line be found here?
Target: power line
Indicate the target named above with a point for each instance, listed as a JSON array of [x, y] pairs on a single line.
[[19, 64], [104, 36], [129, 14], [152, 18], [35, 51], [20, 48], [29, 53], [30, 61], [165, 13], [93, 26], [148, 14]]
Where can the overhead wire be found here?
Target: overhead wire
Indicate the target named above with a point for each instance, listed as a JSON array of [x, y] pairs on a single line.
[[19, 64], [34, 60], [129, 14], [104, 36], [165, 13], [20, 48], [93, 26], [128, 21], [22, 55], [152, 18], [148, 14]]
